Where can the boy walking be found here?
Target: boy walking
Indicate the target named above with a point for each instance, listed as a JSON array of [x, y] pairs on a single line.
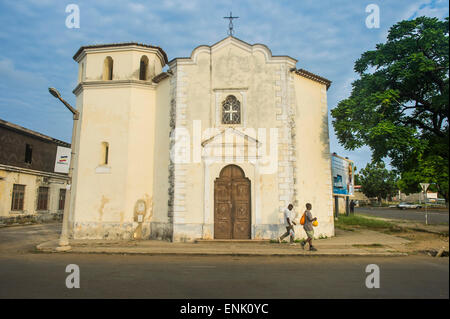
[[308, 227], [289, 223]]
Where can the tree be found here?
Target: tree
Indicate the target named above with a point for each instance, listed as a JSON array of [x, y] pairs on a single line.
[[428, 170], [377, 181], [357, 179], [399, 106]]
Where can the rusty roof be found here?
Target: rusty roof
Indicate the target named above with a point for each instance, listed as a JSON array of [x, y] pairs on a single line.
[[158, 78], [94, 46], [32, 133], [312, 76]]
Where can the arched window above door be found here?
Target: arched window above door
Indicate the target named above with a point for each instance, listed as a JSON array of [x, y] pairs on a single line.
[[231, 110]]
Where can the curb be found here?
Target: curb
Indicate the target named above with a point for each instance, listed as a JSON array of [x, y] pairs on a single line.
[[427, 231], [46, 249]]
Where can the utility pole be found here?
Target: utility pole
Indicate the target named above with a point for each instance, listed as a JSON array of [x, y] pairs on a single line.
[[424, 190], [64, 239]]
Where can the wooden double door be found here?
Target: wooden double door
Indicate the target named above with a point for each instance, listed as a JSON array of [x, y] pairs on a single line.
[[232, 214]]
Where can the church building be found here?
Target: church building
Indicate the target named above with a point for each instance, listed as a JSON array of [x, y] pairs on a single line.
[[210, 146]]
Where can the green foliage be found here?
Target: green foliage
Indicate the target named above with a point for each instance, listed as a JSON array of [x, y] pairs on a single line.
[[357, 179], [399, 105], [431, 169], [360, 221], [377, 181]]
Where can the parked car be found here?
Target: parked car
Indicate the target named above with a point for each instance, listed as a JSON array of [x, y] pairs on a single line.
[[404, 205]]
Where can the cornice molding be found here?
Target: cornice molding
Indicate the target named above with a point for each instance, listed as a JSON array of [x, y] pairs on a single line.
[[113, 84]]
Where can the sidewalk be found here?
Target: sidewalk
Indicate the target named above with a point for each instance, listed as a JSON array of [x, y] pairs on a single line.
[[345, 243], [432, 229]]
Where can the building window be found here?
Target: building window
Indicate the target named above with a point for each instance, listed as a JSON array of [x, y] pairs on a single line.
[[143, 69], [105, 153], [28, 153], [42, 203], [18, 195], [62, 199], [108, 69], [231, 110]]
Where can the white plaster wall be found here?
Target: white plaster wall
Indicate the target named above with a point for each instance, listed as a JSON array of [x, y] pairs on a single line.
[[106, 195], [313, 166], [104, 118]]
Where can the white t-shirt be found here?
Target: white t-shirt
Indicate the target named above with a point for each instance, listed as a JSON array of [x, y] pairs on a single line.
[[288, 214]]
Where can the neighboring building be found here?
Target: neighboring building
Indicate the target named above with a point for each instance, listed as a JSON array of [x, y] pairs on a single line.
[[343, 171], [29, 186], [216, 147]]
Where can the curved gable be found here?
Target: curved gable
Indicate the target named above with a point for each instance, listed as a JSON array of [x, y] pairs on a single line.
[[230, 40]]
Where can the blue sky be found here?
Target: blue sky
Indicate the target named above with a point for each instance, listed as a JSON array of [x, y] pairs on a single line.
[[325, 36]]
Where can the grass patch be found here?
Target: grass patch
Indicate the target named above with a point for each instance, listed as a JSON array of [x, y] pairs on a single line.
[[356, 220]]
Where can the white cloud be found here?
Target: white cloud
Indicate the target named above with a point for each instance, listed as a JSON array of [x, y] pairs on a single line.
[[16, 76]]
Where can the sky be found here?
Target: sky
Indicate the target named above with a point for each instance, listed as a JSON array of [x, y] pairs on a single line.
[[326, 37]]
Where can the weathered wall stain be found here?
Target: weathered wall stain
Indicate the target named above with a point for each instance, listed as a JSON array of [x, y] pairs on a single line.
[[103, 202], [121, 218], [149, 205]]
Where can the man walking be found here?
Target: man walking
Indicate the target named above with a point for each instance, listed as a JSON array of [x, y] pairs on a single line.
[[289, 223], [352, 207], [308, 227]]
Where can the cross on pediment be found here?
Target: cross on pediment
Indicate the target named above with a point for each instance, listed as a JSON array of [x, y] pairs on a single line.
[[230, 25]]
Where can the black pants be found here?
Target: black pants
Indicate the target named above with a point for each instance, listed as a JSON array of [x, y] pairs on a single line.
[[287, 233]]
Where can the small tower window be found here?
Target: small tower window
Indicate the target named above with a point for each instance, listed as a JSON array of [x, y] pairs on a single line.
[[28, 153], [231, 110], [143, 69], [105, 153], [108, 69]]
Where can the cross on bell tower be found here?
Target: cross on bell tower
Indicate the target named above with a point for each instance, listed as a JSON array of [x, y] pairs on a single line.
[[230, 25]]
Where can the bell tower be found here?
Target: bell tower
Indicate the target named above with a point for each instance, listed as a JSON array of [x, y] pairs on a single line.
[[115, 146]]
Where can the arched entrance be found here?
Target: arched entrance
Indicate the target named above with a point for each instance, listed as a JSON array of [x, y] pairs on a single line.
[[232, 214]]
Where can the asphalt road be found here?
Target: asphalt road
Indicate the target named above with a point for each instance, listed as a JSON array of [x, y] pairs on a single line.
[[24, 274], [434, 216]]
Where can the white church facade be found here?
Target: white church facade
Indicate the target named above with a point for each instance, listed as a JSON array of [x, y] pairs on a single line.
[[211, 146]]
